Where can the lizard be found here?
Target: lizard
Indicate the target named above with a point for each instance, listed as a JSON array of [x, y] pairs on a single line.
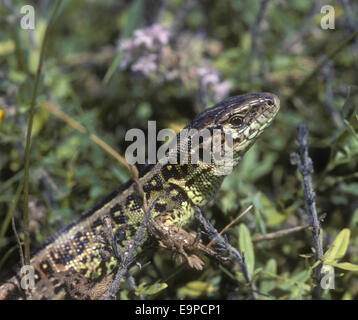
[[173, 190]]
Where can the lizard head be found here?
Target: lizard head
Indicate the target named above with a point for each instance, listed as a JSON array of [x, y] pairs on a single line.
[[243, 118], [235, 114]]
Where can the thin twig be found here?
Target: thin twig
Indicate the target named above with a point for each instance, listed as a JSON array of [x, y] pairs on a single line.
[[330, 56], [18, 240], [79, 127], [256, 25], [139, 187], [326, 75], [278, 234], [109, 236], [224, 245], [10, 211], [49, 188], [254, 52], [28, 136], [124, 258], [128, 257], [231, 223], [16, 16], [305, 166], [350, 23], [288, 45]]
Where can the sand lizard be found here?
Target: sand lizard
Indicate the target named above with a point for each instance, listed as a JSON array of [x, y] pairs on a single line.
[[176, 190]]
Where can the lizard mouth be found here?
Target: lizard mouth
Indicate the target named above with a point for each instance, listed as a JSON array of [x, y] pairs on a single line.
[[266, 111], [267, 106], [259, 113]]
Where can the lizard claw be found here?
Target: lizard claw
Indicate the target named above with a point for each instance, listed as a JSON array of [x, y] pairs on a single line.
[[195, 262]]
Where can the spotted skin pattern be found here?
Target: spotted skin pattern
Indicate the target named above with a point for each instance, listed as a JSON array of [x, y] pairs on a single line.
[[175, 188]]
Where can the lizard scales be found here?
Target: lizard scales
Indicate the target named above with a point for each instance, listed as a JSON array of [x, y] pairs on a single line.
[[175, 188]]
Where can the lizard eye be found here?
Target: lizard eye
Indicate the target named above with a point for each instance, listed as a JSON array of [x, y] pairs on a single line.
[[236, 121], [270, 102]]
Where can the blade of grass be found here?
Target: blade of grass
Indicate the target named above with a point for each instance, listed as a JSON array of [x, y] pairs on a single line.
[[31, 114], [12, 208]]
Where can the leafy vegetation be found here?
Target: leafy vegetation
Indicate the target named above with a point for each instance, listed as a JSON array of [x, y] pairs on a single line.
[[113, 65]]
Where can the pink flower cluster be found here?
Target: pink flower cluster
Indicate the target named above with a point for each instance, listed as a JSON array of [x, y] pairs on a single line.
[[149, 52], [210, 79], [142, 52]]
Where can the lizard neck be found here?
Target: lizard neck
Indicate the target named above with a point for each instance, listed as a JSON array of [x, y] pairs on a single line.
[[200, 182]]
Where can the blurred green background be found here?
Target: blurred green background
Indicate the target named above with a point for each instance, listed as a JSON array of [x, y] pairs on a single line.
[[114, 65]]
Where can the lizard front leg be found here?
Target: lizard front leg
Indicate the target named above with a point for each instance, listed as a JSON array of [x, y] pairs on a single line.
[[182, 243]]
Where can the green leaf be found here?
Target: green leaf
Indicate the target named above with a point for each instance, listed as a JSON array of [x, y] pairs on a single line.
[[195, 289], [7, 47], [246, 246], [252, 167], [144, 289], [354, 220], [351, 129], [271, 266], [272, 216], [351, 188], [40, 119], [268, 283], [68, 148], [343, 265], [339, 246]]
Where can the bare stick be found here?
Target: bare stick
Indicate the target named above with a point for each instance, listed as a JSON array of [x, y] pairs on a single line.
[[254, 51], [18, 240], [127, 254], [231, 223], [350, 23], [139, 187], [79, 127], [128, 258], [318, 67], [256, 26], [223, 245], [125, 258], [278, 234], [306, 26], [326, 75], [305, 166], [27, 292]]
